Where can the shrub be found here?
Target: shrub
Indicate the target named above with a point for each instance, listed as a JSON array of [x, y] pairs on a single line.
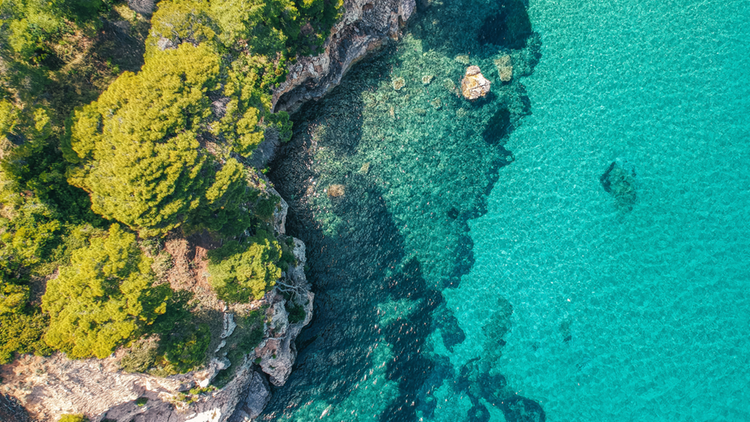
[[103, 298], [296, 312], [241, 272]]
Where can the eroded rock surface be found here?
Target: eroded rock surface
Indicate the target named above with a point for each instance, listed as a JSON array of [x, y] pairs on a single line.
[[474, 84], [365, 26]]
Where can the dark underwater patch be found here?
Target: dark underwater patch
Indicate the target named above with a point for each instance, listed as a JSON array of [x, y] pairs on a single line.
[[508, 28]]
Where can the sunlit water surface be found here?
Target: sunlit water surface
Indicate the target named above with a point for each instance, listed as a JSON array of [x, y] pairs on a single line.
[[558, 303]]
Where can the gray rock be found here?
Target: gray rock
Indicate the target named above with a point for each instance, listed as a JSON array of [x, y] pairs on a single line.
[[366, 25], [620, 181], [144, 7], [255, 400], [165, 44]]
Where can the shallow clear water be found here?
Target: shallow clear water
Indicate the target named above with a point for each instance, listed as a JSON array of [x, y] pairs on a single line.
[[485, 274]]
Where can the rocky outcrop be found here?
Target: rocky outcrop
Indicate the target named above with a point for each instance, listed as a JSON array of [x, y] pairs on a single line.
[[620, 181], [366, 24], [474, 84], [11, 410], [144, 7], [276, 354]]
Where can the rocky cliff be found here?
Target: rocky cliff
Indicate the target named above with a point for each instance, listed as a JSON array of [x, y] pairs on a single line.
[[51, 386], [366, 24], [48, 387]]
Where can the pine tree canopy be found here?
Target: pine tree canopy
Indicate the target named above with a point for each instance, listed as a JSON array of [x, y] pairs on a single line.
[[104, 298]]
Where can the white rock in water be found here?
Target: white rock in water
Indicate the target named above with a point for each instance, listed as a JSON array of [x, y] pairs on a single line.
[[474, 84]]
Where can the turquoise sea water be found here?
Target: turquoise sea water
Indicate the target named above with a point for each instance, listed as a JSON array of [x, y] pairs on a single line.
[[476, 269]]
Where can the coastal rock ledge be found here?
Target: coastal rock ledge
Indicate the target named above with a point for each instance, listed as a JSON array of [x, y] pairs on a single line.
[[48, 387], [365, 26]]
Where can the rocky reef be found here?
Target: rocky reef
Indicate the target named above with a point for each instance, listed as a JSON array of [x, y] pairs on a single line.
[[366, 24]]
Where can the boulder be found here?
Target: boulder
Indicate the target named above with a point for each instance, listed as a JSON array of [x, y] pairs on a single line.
[[620, 181], [474, 84]]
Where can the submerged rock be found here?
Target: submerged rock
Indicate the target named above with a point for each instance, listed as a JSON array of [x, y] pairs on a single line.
[[398, 83], [504, 68], [334, 191], [620, 181], [474, 84]]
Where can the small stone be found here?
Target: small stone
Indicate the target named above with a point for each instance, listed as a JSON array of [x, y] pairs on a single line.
[[365, 168], [504, 68], [426, 79], [420, 111], [463, 59], [474, 84], [460, 113], [398, 83], [436, 103], [335, 191]]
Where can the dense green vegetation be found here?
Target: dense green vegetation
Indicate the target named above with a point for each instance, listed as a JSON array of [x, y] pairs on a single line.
[[103, 298], [111, 140], [243, 271]]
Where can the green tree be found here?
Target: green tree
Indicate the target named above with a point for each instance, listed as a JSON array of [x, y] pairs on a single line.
[[104, 298], [241, 272], [137, 147]]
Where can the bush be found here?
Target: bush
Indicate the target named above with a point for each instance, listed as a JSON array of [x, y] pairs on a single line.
[[296, 312], [140, 357], [241, 272]]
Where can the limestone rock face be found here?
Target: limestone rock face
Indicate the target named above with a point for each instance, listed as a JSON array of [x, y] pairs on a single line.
[[256, 398], [620, 181], [365, 26], [474, 84]]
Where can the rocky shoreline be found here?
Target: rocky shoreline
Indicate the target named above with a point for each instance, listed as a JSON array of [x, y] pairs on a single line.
[[43, 388]]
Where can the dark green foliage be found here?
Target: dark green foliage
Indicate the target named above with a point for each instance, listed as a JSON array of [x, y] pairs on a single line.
[[183, 340], [265, 206], [184, 349], [246, 337], [243, 271], [296, 312], [141, 401], [104, 298]]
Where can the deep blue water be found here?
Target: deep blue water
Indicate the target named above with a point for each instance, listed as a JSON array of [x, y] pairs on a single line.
[[476, 268]]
